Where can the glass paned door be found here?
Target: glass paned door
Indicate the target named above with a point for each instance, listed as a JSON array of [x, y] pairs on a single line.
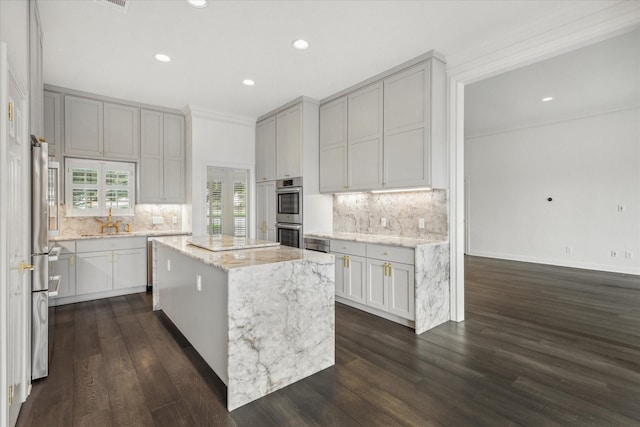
[[226, 202]]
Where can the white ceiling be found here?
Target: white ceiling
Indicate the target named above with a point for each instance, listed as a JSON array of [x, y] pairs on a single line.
[[596, 78], [93, 48]]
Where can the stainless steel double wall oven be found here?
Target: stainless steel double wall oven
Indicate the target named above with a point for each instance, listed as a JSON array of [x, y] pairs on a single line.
[[289, 212]]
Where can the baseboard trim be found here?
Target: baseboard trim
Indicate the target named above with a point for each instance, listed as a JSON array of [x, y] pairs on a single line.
[[388, 316], [560, 263], [97, 295]]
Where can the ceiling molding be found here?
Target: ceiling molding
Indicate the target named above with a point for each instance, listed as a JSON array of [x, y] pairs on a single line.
[[193, 111], [534, 43]]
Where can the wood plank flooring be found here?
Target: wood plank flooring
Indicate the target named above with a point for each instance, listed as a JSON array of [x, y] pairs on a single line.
[[540, 346]]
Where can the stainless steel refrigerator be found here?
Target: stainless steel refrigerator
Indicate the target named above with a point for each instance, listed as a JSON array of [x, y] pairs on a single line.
[[39, 260]]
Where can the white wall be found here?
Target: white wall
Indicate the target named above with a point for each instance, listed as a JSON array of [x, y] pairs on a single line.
[[588, 166], [219, 140]]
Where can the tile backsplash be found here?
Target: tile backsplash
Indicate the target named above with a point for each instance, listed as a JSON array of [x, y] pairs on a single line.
[[363, 212], [142, 221]]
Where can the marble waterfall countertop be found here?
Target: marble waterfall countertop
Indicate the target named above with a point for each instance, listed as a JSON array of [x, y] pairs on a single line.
[[228, 243], [379, 239], [239, 258], [140, 233]]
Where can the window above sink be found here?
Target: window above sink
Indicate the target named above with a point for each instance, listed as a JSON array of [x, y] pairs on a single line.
[[92, 187]]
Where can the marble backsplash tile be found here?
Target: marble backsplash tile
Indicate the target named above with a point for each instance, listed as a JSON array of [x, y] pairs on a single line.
[[142, 221], [362, 213]]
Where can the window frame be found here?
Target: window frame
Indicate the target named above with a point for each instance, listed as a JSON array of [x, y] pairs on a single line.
[[102, 166]]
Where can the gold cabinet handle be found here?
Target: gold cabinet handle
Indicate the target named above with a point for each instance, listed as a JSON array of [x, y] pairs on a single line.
[[22, 266], [348, 261], [72, 260], [390, 269]]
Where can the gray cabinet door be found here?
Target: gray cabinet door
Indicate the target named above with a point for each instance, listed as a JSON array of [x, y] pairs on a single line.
[[174, 159], [266, 150], [94, 272], [407, 151], [333, 146], [151, 156], [289, 143], [129, 268], [52, 110], [83, 120], [365, 138], [121, 132]]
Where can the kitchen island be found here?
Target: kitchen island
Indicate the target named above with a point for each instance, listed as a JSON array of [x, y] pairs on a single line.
[[261, 317]]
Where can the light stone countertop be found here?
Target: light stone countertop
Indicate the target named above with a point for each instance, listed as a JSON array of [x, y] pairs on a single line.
[[141, 233], [228, 243], [240, 258], [379, 239]]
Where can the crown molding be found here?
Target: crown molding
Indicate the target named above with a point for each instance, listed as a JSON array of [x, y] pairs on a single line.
[[197, 112]]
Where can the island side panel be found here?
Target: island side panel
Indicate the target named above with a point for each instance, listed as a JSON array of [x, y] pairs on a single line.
[[201, 315], [432, 286], [281, 326]]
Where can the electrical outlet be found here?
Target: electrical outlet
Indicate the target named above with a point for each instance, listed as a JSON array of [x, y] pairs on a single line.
[[614, 253], [620, 208], [628, 254], [155, 220], [568, 249], [383, 222], [174, 219], [198, 282], [420, 222], [168, 265]]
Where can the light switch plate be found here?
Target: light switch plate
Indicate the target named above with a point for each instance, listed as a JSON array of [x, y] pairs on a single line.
[[155, 220]]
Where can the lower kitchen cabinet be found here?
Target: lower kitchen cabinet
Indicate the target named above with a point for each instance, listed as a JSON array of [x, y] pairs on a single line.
[[350, 277], [66, 269], [371, 276], [101, 268]]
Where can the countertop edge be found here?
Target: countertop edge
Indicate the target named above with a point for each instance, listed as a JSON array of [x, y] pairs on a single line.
[[379, 239]]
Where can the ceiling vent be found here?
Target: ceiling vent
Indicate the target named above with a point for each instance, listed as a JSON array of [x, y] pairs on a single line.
[[121, 5]]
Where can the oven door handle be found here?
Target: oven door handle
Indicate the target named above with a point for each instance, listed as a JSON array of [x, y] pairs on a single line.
[[289, 226], [289, 190]]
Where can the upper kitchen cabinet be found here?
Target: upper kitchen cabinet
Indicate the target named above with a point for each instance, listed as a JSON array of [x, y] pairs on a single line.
[[396, 131], [266, 150], [365, 138], [289, 143], [290, 135], [97, 129], [162, 158], [414, 126], [333, 146], [52, 132]]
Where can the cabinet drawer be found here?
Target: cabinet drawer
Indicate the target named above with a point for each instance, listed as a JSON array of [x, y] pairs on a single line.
[[110, 244], [391, 253], [348, 247], [68, 246]]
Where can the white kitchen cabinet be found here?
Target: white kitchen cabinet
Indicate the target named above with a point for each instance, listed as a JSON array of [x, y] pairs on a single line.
[[97, 129], [407, 138], [378, 278], [121, 131], [100, 268], [94, 272], [396, 131], [333, 146], [365, 138], [83, 124], [266, 210], [401, 290], [65, 268], [52, 112], [266, 150], [162, 158], [289, 143], [129, 268]]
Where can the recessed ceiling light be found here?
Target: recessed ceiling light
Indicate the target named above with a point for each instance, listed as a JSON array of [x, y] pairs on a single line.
[[248, 82], [547, 99], [300, 44], [197, 3], [162, 57]]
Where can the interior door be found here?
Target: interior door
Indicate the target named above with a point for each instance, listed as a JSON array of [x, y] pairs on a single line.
[[14, 246]]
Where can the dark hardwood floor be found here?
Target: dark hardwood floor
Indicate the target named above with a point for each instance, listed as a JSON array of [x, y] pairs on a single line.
[[540, 346]]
